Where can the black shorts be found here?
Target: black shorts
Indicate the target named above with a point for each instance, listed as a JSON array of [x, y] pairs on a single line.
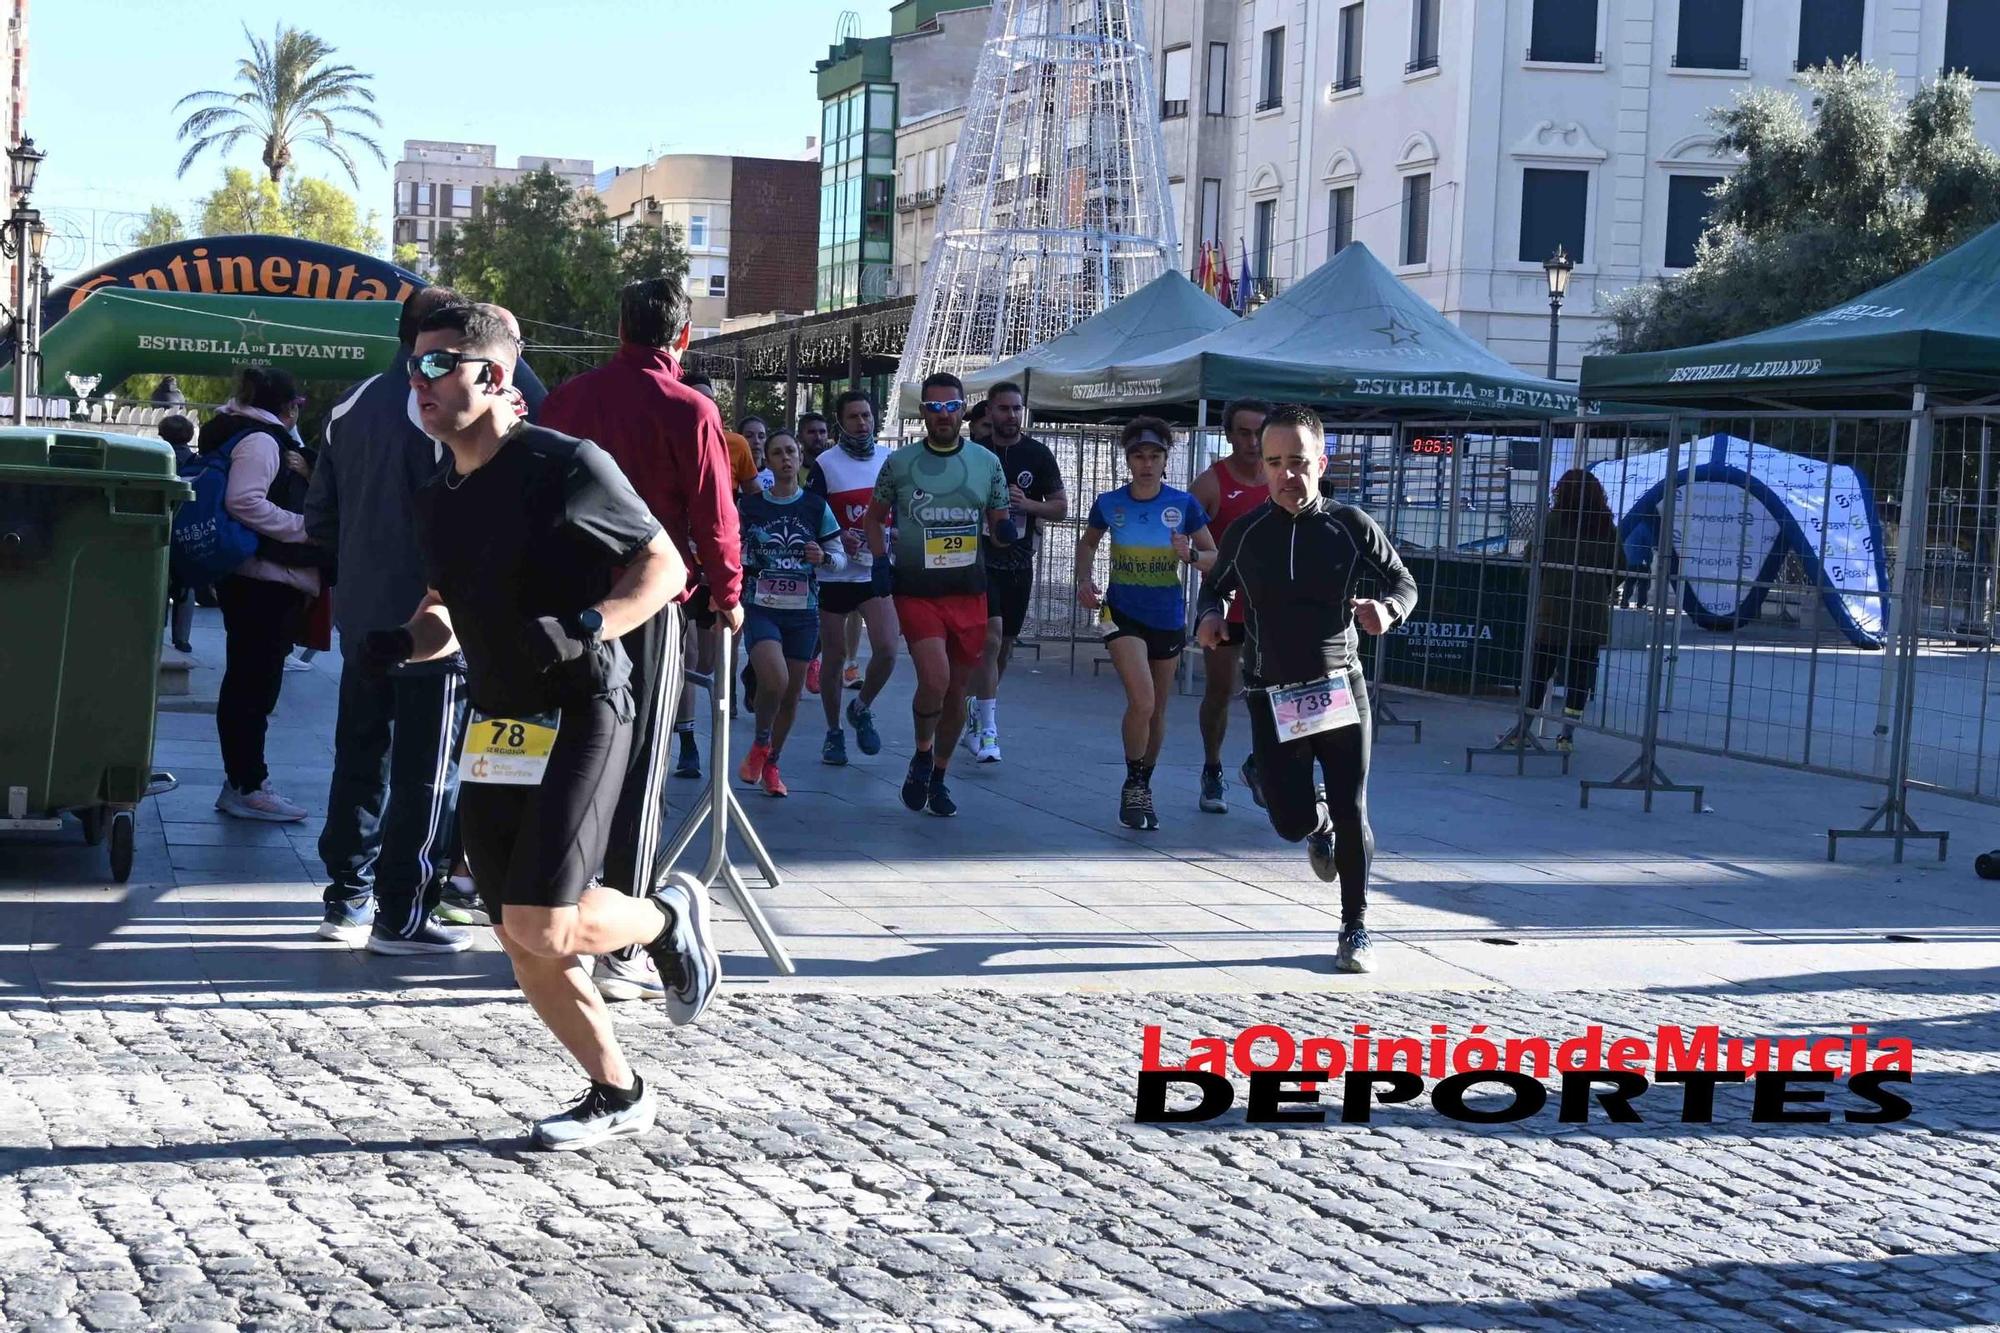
[[700, 610], [1008, 592], [837, 599], [539, 846], [1162, 645]]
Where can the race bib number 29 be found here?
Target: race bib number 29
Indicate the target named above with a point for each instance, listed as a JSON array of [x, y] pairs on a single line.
[[951, 550], [1314, 707], [507, 751]]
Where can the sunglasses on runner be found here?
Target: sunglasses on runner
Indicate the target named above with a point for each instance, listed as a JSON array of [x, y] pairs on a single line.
[[436, 365], [948, 405]]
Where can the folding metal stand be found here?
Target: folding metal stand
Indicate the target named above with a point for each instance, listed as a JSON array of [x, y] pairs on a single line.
[[721, 812]]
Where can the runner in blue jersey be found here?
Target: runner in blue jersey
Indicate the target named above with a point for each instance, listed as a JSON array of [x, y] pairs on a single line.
[[1155, 530], [789, 535]]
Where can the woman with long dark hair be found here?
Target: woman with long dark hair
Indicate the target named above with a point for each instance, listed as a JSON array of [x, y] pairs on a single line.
[[1580, 561], [264, 599]]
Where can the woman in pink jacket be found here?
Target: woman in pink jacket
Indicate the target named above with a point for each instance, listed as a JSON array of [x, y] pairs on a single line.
[[264, 600]]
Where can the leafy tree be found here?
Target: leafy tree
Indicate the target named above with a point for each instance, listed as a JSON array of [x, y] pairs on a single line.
[[406, 256], [162, 225], [306, 207], [294, 96], [1825, 206], [545, 251]]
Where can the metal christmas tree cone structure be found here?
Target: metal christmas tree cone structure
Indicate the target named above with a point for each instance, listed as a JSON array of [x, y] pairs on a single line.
[[1057, 204]]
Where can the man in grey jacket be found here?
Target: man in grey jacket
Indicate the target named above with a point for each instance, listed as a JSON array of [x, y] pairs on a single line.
[[386, 844]]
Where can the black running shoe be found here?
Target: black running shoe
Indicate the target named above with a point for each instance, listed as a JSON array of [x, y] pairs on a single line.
[[1319, 850], [939, 801], [1212, 788], [689, 763], [1150, 817], [1249, 775], [917, 784], [1135, 803]]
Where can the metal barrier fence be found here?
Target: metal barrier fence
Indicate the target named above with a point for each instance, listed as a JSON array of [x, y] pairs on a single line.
[[1814, 591]]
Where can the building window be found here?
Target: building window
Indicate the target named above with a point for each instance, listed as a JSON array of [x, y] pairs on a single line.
[[1829, 32], [1688, 203], [1266, 233], [931, 158], [1564, 32], [1176, 82], [1972, 38], [698, 230], [1350, 49], [1553, 210], [1217, 91], [1711, 35], [402, 196], [718, 284], [461, 201], [1417, 218], [1271, 84], [1177, 203], [1423, 36], [426, 201], [1339, 220], [1211, 211]]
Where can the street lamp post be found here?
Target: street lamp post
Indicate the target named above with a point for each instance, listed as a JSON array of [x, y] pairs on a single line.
[[1557, 266], [24, 238]]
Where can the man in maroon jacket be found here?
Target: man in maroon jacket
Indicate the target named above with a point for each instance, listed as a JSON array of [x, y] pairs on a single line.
[[668, 440]]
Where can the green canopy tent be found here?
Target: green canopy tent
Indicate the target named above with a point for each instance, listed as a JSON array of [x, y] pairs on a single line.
[[1937, 326], [1351, 336], [1165, 313], [116, 333]]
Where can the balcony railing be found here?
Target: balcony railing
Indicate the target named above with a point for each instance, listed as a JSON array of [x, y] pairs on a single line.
[[910, 203], [1742, 62], [1553, 58], [1421, 62], [1174, 110], [1271, 103], [1346, 83]]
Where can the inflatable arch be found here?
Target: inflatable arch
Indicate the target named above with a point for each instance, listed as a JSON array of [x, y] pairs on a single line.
[[1741, 508], [215, 304]]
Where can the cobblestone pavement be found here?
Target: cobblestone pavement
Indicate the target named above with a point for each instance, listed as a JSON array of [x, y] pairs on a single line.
[[960, 1160]]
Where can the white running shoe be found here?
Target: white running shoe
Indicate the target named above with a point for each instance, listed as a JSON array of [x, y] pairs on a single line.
[[596, 1120], [264, 804], [989, 747], [634, 978], [294, 662], [686, 957]]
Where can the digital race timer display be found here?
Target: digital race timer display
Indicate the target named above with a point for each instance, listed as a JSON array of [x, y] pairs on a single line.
[[1433, 446]]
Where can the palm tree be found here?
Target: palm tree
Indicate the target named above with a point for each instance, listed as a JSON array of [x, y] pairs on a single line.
[[293, 98]]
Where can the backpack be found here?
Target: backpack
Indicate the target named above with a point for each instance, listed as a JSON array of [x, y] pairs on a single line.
[[208, 542]]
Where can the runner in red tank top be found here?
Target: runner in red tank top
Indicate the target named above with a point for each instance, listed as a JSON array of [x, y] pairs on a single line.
[[1232, 487]]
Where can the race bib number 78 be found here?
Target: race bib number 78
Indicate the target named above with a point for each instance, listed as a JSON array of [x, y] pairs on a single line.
[[507, 751]]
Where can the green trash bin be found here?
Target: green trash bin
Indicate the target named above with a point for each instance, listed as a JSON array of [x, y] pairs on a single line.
[[84, 526]]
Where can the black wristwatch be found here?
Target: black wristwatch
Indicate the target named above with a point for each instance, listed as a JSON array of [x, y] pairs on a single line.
[[590, 621]]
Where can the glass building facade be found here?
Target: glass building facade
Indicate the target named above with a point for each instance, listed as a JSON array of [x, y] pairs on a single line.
[[857, 195]]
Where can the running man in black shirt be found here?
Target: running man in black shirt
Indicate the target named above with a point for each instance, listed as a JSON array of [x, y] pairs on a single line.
[[539, 556], [1295, 564]]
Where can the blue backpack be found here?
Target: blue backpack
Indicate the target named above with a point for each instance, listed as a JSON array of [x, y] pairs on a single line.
[[209, 543]]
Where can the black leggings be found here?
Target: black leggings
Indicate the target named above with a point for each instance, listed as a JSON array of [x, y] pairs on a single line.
[[1576, 663], [1301, 802], [260, 620]]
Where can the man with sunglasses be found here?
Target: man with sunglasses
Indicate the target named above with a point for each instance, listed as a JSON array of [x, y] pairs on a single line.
[[391, 803], [947, 498], [539, 556], [668, 441]]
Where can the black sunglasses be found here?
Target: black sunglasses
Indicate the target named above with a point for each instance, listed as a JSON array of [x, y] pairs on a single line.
[[436, 365]]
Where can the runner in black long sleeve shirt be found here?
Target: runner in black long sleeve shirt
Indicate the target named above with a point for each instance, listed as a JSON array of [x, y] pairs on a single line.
[[1296, 564]]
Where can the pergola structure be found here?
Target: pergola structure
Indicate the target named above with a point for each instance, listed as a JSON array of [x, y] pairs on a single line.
[[852, 346]]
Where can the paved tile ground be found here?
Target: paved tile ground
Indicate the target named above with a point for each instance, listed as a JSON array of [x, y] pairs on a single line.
[[210, 1120]]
